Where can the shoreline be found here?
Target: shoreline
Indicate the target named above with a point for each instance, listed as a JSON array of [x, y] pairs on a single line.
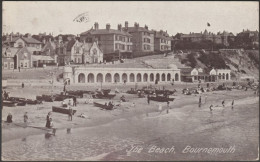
[[7, 132]]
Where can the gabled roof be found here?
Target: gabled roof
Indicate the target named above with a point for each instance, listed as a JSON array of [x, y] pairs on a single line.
[[70, 44], [105, 31], [31, 40], [49, 45], [88, 46], [13, 51]]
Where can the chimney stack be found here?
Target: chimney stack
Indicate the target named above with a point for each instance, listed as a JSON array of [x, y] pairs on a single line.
[[119, 27], [146, 27], [108, 26], [136, 25], [126, 24], [96, 26]]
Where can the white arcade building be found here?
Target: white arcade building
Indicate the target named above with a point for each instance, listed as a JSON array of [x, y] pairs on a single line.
[[88, 75]]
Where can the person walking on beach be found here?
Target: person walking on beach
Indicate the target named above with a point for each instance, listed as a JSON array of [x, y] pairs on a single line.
[[48, 121], [168, 104], [19, 68], [70, 113], [223, 103], [25, 117], [148, 99], [232, 104], [74, 101], [200, 101], [210, 107], [22, 85]]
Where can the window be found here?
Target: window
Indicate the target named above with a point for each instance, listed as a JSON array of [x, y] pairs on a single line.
[[5, 65], [123, 47], [161, 47], [25, 64], [25, 55], [21, 64], [79, 60], [76, 49], [20, 44]]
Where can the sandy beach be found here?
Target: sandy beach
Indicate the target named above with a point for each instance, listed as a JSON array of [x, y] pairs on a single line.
[[183, 110]]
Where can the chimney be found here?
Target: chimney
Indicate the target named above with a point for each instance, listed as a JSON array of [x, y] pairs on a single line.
[[119, 27], [146, 27], [96, 26], [136, 25], [126, 24], [108, 26]]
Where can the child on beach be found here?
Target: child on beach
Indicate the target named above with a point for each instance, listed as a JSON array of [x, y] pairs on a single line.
[[25, 117]]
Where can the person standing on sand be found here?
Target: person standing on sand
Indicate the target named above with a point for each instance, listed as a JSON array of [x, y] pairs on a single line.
[[168, 103], [223, 103], [9, 118], [70, 113], [74, 101], [210, 107], [232, 104], [48, 122], [25, 117], [200, 101], [160, 108], [148, 99]]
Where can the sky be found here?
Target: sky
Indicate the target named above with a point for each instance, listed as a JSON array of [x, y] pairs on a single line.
[[175, 17]]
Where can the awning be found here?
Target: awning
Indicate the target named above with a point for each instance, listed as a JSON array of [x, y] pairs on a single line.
[[40, 57]]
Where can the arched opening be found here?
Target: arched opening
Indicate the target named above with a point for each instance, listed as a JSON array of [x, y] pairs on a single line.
[[151, 77], [145, 77], [163, 77], [100, 77], [132, 77], [108, 77], [219, 76], [81, 78], [168, 77], [158, 77], [176, 77], [90, 78], [124, 77], [227, 76], [116, 78], [223, 76], [138, 77], [15, 62]]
